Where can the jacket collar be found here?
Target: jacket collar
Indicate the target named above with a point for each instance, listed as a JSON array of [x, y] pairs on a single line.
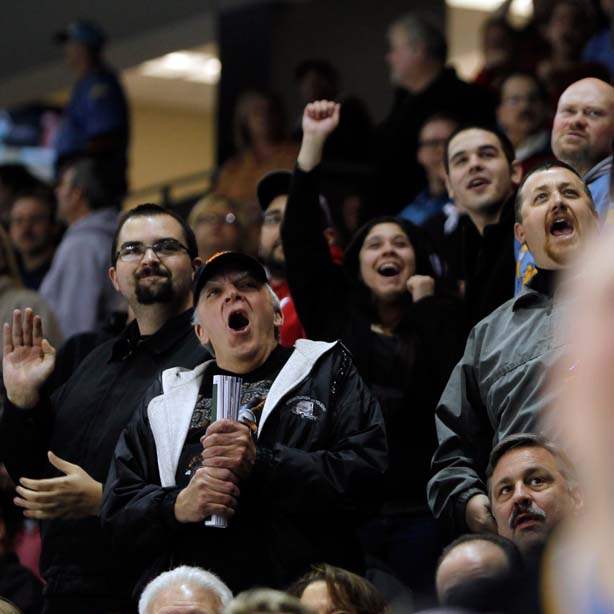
[[601, 168], [170, 413], [167, 336]]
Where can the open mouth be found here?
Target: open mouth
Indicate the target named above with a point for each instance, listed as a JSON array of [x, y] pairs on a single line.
[[561, 227], [477, 182], [389, 269], [524, 521], [238, 321]]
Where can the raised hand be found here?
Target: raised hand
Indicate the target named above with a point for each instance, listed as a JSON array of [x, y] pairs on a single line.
[[320, 118], [28, 358], [73, 495]]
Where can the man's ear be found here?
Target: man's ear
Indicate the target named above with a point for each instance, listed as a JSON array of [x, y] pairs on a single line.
[[519, 233], [516, 172], [278, 319], [577, 499], [112, 273], [202, 335], [196, 264], [449, 186]]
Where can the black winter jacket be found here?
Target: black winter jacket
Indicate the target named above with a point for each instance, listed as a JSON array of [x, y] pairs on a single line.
[[81, 423], [408, 382], [315, 475]]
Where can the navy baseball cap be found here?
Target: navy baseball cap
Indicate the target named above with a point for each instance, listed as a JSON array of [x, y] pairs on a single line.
[[81, 31], [272, 185], [223, 260]]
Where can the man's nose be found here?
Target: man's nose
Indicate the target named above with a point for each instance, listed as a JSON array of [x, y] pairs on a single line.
[[149, 254], [475, 163], [521, 494]]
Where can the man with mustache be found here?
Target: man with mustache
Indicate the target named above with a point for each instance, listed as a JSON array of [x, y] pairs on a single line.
[[582, 135], [532, 488], [58, 448], [497, 388]]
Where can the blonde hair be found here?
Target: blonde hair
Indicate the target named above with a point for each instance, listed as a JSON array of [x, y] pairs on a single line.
[[265, 601]]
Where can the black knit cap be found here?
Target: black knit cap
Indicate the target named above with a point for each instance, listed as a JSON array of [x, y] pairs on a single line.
[[272, 185]]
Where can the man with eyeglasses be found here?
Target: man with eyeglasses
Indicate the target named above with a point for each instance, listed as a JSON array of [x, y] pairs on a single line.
[[58, 448], [523, 115], [273, 190]]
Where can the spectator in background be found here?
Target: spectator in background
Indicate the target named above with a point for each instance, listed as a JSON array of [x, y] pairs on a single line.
[[17, 583], [600, 48], [219, 224], [532, 487], [417, 59], [566, 30], [33, 231], [14, 178], [77, 286], [273, 190], [403, 334], [479, 573], [523, 114], [14, 296], [432, 140], [266, 601], [582, 135], [481, 178], [185, 589], [498, 387], [96, 120], [352, 142], [327, 589], [498, 50], [261, 146]]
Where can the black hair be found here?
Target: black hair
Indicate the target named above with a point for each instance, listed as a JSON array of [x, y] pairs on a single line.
[[41, 193], [496, 588], [541, 88], [512, 553], [506, 144], [546, 166], [531, 440], [17, 177], [323, 67], [151, 209]]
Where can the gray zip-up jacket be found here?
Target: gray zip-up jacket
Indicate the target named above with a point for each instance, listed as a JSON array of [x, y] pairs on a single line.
[[77, 286], [496, 389]]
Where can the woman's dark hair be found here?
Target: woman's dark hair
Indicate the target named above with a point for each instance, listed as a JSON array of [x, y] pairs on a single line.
[[420, 242], [348, 592]]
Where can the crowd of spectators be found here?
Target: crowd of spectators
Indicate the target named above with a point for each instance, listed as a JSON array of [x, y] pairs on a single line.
[[424, 407]]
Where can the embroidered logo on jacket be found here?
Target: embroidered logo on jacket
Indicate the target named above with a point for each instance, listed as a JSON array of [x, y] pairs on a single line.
[[307, 408]]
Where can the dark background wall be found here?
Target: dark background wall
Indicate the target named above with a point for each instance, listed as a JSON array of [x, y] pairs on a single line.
[[261, 45]]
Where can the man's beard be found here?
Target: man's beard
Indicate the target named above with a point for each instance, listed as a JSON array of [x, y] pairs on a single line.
[[276, 266], [162, 292]]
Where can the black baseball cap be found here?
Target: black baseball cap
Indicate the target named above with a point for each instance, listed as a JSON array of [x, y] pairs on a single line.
[[81, 31], [272, 185], [223, 260]]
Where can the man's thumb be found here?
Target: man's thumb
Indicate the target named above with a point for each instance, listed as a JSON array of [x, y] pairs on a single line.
[[59, 463]]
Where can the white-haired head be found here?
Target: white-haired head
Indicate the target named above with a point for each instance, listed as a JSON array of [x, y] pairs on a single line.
[[180, 582]]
